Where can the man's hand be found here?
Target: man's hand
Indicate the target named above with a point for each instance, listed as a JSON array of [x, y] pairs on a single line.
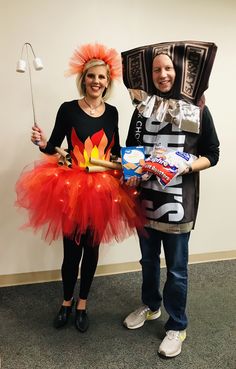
[[133, 181]]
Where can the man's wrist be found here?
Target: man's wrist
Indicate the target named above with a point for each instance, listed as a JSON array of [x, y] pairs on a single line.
[[190, 169]]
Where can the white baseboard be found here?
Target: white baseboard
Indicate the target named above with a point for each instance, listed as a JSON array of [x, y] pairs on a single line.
[[55, 275]]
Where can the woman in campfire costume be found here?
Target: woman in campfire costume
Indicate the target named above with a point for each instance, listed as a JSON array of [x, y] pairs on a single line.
[[75, 200]]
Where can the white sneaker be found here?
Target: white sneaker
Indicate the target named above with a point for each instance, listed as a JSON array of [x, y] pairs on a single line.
[[172, 343], [138, 317]]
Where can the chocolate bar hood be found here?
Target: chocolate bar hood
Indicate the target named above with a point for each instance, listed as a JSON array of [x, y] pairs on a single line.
[[193, 61]]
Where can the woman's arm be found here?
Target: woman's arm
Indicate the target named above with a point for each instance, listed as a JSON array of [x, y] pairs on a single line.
[[58, 133]]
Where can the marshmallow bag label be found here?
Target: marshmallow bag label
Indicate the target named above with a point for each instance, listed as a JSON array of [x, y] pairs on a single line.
[[166, 164]]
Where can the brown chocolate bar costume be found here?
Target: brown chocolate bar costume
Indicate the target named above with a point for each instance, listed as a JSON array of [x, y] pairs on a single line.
[[193, 61]]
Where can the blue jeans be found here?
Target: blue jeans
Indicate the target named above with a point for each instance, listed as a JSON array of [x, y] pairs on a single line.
[[176, 284]]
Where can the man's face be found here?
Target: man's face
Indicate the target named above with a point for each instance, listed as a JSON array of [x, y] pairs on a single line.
[[163, 73]]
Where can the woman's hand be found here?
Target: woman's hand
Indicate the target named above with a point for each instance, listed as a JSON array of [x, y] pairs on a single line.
[[38, 137]]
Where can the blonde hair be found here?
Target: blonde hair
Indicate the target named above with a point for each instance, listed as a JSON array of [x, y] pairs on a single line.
[[81, 77]]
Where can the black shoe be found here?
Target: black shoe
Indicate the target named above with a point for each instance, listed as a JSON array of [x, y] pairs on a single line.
[[81, 320], [62, 317]]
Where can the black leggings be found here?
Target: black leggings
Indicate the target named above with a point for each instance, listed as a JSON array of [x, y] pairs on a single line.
[[70, 266]]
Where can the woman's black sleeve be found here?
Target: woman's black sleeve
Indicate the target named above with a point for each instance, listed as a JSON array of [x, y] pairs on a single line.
[[116, 147], [58, 133]]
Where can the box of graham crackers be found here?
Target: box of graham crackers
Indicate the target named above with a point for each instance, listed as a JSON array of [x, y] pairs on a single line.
[[132, 159]]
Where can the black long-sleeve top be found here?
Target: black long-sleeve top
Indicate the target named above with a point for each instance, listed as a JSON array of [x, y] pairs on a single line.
[[70, 116]]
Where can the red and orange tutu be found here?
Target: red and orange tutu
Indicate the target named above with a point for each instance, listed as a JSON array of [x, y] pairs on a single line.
[[70, 201]]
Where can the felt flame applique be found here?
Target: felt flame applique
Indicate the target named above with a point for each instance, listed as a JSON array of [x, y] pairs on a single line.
[[93, 147]]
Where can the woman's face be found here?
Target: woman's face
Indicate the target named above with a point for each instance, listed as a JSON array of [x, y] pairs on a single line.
[[96, 81], [163, 73]]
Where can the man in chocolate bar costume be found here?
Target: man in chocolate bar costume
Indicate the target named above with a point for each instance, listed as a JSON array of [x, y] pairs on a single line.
[[166, 82]]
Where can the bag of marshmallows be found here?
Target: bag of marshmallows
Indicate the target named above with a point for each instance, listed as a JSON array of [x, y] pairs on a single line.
[[166, 164]]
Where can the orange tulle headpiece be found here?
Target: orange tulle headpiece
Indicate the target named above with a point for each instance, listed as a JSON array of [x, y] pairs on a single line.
[[85, 53]]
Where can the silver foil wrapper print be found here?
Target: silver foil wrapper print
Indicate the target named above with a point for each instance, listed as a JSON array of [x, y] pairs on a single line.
[[184, 115]]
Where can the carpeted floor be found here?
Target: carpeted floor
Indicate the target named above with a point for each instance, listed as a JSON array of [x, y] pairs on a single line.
[[28, 340]]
